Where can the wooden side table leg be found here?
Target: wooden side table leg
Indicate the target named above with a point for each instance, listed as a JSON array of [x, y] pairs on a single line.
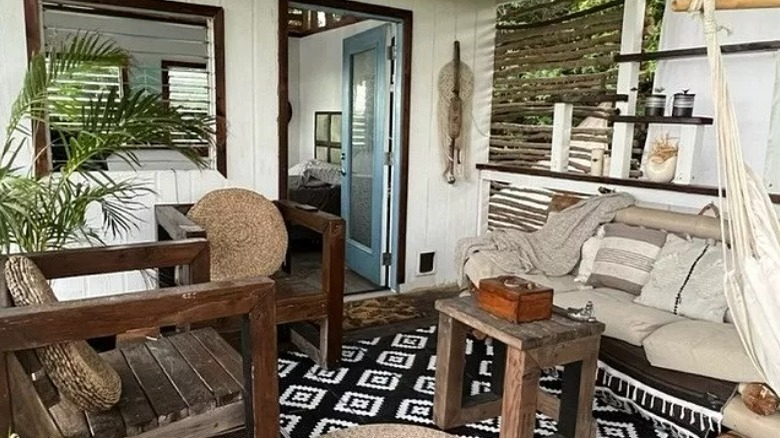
[[576, 411], [450, 358], [521, 385]]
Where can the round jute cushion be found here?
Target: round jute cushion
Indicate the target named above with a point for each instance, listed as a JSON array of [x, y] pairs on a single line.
[[388, 431], [79, 373], [245, 230]]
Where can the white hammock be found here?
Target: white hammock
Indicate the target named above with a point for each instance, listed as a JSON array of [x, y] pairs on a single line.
[[752, 278]]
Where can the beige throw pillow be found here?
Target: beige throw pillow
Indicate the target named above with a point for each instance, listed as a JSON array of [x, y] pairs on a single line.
[[626, 257], [588, 256], [687, 280]]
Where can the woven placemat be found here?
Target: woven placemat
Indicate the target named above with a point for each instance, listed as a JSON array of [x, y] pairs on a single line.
[[245, 230]]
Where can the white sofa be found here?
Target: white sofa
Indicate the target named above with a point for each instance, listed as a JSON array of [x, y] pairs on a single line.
[[671, 342]]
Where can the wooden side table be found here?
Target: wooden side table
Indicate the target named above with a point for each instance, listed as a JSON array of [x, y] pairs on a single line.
[[531, 347]]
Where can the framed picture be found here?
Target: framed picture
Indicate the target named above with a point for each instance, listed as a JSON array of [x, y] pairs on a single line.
[[327, 136]]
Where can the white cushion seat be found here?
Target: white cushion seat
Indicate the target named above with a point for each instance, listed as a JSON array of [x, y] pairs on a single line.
[[479, 267], [701, 347], [624, 319]]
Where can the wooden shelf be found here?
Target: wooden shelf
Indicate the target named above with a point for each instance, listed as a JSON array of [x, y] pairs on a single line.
[[663, 120], [760, 46], [625, 182]]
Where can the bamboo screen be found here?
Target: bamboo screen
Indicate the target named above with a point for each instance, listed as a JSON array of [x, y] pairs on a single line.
[[548, 52], [520, 208]]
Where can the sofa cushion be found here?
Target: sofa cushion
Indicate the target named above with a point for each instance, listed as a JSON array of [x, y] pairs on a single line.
[[625, 320], [626, 257], [478, 267], [701, 347]]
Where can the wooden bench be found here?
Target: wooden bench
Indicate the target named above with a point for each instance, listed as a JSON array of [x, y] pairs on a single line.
[[190, 384], [296, 300]]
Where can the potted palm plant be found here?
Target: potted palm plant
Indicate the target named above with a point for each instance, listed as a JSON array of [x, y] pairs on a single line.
[[49, 212]]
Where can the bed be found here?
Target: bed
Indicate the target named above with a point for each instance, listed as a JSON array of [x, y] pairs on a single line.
[[316, 183]]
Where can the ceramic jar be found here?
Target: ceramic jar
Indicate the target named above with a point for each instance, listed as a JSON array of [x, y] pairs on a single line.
[[655, 105], [682, 105]]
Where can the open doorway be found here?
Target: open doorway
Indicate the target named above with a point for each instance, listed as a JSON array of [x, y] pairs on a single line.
[[344, 139]]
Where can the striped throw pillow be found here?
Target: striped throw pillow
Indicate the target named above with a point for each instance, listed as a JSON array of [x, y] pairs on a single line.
[[626, 257]]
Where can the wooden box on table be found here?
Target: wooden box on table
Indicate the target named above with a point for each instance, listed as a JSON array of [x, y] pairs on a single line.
[[515, 299]]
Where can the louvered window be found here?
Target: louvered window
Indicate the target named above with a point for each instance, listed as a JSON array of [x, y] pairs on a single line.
[[185, 86], [172, 56]]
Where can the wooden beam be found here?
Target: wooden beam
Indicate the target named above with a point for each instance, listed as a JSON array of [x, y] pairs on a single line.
[[120, 258], [684, 5], [758, 46], [561, 137], [28, 327]]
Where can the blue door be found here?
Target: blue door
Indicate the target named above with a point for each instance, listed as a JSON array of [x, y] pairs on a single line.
[[364, 132]]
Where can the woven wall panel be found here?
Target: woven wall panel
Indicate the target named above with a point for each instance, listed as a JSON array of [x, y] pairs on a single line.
[[546, 52], [520, 208]]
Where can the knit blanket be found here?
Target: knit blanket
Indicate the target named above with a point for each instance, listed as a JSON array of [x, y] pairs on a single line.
[[554, 249]]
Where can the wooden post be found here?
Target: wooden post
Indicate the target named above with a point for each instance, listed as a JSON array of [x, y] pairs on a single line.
[[261, 384], [484, 203], [333, 254], [689, 153], [561, 137], [627, 82]]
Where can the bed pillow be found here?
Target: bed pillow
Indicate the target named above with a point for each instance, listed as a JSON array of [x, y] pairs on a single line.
[[626, 257], [687, 280], [588, 256]]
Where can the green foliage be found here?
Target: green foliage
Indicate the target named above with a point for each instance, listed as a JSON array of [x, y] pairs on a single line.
[[39, 213]]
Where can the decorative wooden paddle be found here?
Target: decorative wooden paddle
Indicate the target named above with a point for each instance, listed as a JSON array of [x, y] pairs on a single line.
[[455, 119]]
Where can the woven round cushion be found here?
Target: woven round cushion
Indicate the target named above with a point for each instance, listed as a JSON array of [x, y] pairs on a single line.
[[246, 233], [79, 373], [388, 431]]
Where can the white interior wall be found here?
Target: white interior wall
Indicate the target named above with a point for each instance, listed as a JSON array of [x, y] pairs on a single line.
[[319, 84], [751, 80], [438, 214]]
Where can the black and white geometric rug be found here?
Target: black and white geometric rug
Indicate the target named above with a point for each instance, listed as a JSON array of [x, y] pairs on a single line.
[[391, 380]]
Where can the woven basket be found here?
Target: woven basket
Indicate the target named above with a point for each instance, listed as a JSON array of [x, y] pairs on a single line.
[[77, 371], [246, 232]]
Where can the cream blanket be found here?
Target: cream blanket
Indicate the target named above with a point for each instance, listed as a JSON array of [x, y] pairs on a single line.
[[554, 249]]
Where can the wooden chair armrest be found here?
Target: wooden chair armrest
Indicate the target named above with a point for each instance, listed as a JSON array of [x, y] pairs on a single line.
[[121, 258], [318, 221], [28, 327], [176, 224]]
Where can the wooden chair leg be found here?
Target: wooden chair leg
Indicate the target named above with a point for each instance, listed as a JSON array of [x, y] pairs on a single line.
[[333, 272]]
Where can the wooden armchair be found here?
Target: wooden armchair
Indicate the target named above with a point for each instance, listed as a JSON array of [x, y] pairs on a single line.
[[29, 409], [296, 300]]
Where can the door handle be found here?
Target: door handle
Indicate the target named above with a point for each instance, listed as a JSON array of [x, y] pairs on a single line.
[[343, 172]]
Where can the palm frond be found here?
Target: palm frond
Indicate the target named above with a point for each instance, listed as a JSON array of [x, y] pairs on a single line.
[[55, 211]]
